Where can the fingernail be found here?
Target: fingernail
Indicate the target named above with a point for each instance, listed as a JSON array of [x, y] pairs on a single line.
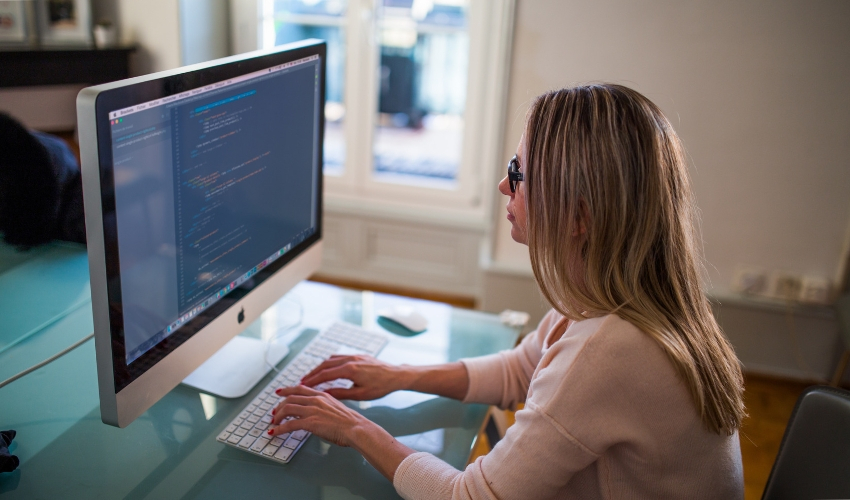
[[277, 391], [271, 432], [273, 411]]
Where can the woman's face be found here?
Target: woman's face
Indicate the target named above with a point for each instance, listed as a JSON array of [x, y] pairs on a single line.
[[516, 201]]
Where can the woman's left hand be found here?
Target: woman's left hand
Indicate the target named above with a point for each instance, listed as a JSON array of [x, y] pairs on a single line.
[[317, 412], [326, 417]]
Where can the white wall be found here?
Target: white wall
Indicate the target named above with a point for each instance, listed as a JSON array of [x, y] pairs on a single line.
[[757, 90], [205, 33], [154, 26]]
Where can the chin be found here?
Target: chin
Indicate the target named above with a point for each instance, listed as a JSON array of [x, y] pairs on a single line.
[[519, 237]]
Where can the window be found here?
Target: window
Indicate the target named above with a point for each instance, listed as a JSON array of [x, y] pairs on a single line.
[[415, 92]]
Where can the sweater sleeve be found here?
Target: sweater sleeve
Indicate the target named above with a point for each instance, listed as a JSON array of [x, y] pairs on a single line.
[[508, 471], [503, 378]]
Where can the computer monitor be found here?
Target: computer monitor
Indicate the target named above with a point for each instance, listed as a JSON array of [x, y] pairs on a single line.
[[203, 204]]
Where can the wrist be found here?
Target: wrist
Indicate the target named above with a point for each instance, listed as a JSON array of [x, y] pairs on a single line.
[[404, 377], [363, 434]]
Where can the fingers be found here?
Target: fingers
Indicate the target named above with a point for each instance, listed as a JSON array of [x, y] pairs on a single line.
[[331, 362], [286, 426], [342, 371], [294, 406], [300, 390]]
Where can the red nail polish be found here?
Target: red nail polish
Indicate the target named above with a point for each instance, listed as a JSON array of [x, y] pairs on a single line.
[[271, 432], [273, 411]]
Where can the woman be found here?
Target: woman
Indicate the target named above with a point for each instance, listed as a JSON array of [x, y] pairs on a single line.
[[630, 388]]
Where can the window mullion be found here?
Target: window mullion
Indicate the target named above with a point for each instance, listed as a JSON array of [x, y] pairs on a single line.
[[360, 78]]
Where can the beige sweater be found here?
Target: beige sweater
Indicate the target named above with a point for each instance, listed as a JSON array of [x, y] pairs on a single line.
[[605, 416]]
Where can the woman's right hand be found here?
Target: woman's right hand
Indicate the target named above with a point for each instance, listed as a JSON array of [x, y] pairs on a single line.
[[372, 379]]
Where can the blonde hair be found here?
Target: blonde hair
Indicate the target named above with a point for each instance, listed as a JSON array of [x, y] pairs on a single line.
[[611, 230]]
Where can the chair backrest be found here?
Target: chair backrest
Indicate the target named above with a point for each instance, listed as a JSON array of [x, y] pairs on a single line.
[[814, 459]]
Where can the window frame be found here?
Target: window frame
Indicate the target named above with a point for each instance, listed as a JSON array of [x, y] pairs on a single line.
[[356, 191]]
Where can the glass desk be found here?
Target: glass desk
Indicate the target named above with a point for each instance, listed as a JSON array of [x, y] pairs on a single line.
[[171, 451]]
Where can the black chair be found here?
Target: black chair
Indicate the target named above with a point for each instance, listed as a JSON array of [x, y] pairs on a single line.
[[814, 459]]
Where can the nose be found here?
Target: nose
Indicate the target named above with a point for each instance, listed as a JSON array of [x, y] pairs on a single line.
[[504, 187]]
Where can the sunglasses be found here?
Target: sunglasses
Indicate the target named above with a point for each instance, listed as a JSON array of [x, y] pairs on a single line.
[[514, 175]]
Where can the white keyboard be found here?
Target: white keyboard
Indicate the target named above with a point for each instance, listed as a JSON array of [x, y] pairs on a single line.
[[249, 431]]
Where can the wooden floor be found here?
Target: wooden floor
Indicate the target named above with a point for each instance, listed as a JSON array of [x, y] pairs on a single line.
[[769, 405]]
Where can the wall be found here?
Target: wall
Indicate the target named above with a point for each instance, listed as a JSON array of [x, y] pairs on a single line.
[[153, 25], [757, 91], [205, 33]]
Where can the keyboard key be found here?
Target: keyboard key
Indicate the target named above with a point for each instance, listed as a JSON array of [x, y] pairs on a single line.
[[247, 441], [283, 454], [248, 430], [259, 445]]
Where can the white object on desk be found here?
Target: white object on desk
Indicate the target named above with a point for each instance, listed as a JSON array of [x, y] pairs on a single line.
[[237, 367], [406, 317]]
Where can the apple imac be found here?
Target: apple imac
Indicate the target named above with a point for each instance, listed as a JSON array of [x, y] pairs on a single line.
[[203, 204]]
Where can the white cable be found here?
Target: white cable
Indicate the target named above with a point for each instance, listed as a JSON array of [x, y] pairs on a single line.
[[54, 319], [46, 361]]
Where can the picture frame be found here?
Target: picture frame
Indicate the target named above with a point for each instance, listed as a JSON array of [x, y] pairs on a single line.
[[17, 22], [64, 22]]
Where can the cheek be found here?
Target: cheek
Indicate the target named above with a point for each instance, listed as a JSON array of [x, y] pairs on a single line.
[[519, 209]]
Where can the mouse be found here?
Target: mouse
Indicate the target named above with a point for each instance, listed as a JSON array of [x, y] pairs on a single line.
[[405, 316]]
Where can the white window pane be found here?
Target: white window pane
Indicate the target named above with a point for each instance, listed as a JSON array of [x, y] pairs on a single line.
[[422, 94], [324, 19]]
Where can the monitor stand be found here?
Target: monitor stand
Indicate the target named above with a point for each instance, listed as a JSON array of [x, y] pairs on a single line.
[[237, 367]]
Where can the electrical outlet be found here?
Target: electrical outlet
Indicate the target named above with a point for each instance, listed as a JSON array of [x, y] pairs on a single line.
[[751, 281], [787, 286], [816, 290]]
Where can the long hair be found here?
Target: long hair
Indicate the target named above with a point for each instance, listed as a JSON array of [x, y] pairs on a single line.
[[611, 230]]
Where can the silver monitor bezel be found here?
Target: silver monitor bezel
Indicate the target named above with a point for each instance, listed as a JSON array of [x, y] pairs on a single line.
[[120, 408]]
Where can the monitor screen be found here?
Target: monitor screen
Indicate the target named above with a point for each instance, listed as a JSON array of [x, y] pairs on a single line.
[[208, 184]]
